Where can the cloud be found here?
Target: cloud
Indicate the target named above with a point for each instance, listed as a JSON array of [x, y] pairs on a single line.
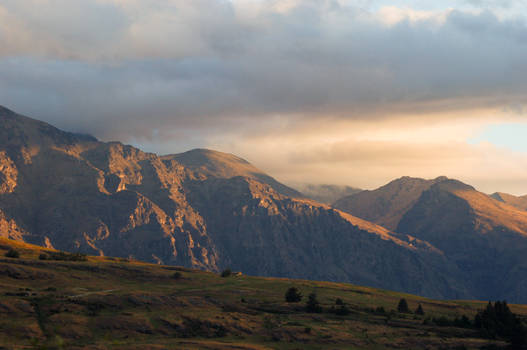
[[177, 74], [369, 154]]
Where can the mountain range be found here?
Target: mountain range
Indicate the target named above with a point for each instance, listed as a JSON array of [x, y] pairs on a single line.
[[211, 210]]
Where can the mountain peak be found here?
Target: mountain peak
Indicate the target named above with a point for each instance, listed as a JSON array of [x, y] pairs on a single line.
[[519, 202], [452, 185], [33, 131], [200, 157], [208, 163]]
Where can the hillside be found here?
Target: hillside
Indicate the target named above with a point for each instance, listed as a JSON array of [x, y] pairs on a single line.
[[114, 303], [201, 209]]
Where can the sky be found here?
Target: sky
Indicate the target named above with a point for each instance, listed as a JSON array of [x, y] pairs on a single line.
[[313, 91]]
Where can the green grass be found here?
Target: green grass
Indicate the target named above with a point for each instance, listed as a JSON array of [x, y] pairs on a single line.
[[107, 303]]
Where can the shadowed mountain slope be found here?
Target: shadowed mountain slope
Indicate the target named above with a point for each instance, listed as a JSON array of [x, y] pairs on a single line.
[[484, 237], [201, 209], [487, 239]]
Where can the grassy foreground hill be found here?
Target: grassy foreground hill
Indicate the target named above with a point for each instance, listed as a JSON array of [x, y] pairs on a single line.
[[113, 303]]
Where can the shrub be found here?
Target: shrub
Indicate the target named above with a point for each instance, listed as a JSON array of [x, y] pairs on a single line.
[[403, 306], [64, 256], [226, 273], [342, 310], [177, 275], [293, 295], [419, 310], [380, 310], [11, 253], [312, 304]]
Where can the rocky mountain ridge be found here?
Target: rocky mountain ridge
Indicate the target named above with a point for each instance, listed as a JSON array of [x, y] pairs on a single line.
[[201, 209]]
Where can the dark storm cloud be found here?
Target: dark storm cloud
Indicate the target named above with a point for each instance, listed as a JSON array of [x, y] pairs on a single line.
[[155, 69]]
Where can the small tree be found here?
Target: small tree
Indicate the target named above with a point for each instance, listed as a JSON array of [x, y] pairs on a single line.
[[312, 304], [11, 253], [380, 310], [226, 273], [403, 306], [342, 310], [339, 302], [293, 295], [419, 310], [177, 275]]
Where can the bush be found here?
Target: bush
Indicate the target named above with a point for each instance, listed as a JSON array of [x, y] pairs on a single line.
[[177, 275], [312, 304], [460, 322], [12, 254], [63, 256], [419, 310], [293, 295], [342, 310], [403, 306], [226, 273], [380, 310]]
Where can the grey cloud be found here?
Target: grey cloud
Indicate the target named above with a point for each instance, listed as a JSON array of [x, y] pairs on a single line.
[[191, 69]]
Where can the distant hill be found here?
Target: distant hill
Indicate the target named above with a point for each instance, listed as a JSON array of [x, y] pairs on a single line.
[[387, 204], [519, 202], [484, 237], [201, 209], [327, 194]]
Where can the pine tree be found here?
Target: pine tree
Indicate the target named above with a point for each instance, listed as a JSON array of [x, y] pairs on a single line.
[[419, 310], [293, 295], [312, 304], [403, 306]]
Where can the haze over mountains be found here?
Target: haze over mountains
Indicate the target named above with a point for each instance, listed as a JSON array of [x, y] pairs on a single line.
[[212, 210], [324, 193]]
